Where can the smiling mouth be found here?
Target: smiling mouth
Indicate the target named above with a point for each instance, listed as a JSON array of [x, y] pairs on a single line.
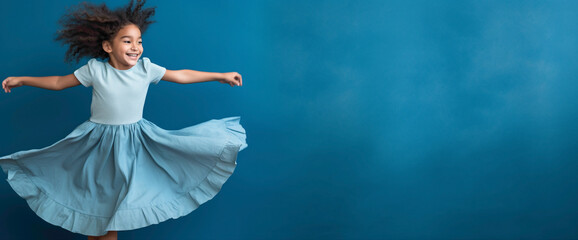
[[132, 54]]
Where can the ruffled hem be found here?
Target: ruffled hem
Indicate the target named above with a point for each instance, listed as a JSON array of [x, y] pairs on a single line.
[[127, 219]]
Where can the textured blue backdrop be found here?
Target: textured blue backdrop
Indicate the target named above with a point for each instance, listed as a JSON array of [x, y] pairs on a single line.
[[365, 119]]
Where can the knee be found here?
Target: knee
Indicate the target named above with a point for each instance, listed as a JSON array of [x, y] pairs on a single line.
[[111, 235]]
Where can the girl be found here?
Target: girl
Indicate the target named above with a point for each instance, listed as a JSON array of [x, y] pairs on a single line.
[[118, 171]]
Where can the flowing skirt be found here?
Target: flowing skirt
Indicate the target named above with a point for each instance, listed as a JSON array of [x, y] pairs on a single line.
[[103, 177]]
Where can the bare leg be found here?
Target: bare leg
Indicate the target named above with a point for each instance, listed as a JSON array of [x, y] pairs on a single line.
[[112, 235]]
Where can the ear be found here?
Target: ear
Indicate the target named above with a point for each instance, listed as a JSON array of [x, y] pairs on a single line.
[[106, 46]]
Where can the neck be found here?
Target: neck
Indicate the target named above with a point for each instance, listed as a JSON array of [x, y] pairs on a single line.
[[114, 64]]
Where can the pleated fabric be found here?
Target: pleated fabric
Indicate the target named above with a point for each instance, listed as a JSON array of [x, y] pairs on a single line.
[[121, 177]]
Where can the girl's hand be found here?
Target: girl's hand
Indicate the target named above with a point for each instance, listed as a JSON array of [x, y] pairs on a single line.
[[232, 78], [11, 82]]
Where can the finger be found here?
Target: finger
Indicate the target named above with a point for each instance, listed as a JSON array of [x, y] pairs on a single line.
[[6, 86], [233, 80], [240, 80]]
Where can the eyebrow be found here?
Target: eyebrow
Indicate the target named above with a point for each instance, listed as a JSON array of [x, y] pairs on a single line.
[[129, 37]]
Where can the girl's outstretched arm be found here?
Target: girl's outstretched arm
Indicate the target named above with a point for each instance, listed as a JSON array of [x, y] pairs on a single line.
[[191, 76], [51, 83]]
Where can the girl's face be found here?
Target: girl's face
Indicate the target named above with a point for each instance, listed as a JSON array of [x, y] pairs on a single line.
[[125, 48]]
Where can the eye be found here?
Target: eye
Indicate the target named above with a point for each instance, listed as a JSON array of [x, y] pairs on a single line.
[[139, 42], [126, 41]]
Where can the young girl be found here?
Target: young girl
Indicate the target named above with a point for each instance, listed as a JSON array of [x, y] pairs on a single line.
[[118, 171]]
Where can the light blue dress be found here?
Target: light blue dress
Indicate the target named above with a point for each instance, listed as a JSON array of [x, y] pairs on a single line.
[[118, 171]]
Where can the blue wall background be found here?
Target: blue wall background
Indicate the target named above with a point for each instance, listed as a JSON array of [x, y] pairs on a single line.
[[366, 119]]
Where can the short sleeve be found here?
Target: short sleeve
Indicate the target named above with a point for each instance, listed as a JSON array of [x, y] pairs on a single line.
[[85, 74], [154, 72]]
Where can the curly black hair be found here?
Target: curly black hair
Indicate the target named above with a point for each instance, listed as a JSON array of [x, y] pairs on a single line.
[[86, 26]]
